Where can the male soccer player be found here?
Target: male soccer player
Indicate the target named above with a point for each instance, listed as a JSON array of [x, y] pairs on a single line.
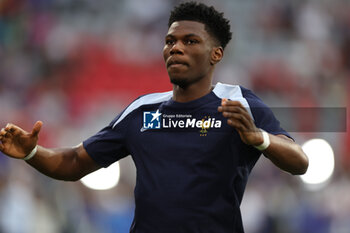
[[193, 147]]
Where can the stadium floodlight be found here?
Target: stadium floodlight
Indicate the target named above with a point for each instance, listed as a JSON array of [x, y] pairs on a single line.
[[104, 178], [321, 162]]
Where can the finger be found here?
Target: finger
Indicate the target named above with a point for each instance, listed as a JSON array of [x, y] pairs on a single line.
[[4, 141], [13, 130], [9, 127], [36, 128], [226, 102], [3, 132], [237, 125], [223, 102], [238, 113], [233, 108], [240, 118]]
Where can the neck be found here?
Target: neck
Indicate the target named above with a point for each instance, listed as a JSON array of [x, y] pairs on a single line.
[[192, 92]]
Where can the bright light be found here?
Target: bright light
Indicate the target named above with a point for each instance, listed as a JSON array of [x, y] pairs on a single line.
[[103, 179], [321, 162]]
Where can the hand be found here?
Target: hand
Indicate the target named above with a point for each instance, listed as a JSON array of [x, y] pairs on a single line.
[[239, 118], [16, 142]]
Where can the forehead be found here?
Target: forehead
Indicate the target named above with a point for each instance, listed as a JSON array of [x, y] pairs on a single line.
[[186, 27]]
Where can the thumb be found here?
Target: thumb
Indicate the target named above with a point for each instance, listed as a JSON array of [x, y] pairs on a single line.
[[36, 128]]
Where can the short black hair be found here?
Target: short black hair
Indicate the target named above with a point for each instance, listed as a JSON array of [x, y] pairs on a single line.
[[214, 21]]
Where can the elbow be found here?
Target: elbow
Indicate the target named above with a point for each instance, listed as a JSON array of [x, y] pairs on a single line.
[[305, 167], [66, 177], [63, 178], [300, 171], [302, 164], [72, 178]]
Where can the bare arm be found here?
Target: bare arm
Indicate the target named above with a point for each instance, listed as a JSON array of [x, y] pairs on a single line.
[[287, 155], [68, 164], [283, 151]]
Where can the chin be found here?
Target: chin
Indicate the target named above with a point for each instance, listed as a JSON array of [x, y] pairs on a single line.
[[181, 82]]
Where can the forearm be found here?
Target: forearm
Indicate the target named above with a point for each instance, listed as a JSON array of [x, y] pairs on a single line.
[[62, 163], [282, 151], [286, 155]]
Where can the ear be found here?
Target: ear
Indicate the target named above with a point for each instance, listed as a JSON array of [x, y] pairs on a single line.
[[216, 55]]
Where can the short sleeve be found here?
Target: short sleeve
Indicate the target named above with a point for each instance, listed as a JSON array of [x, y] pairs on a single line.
[[263, 116], [108, 145]]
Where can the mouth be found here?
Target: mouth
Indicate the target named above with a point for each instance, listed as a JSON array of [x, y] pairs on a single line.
[[176, 63]]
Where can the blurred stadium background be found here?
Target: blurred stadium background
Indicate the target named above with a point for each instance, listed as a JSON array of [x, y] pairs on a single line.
[[76, 64]]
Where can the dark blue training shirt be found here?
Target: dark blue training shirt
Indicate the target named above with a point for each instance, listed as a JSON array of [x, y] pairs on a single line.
[[192, 167]]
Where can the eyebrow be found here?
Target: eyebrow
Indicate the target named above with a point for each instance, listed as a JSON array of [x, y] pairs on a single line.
[[186, 36]]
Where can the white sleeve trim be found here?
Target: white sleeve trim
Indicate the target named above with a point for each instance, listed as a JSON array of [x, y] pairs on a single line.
[[144, 100], [232, 92]]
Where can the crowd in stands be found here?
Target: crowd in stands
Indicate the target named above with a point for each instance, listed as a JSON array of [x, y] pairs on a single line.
[[76, 64]]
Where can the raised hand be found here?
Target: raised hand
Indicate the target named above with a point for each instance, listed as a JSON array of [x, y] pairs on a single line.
[[16, 142], [239, 118]]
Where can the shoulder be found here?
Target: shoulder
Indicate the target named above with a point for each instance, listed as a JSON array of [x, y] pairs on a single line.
[[239, 93], [148, 99], [257, 106], [262, 115], [152, 98], [234, 92], [252, 98], [227, 91]]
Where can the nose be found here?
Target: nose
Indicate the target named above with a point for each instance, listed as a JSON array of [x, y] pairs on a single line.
[[177, 48]]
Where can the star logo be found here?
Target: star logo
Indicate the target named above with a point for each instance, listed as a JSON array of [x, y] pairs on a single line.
[[151, 120], [156, 115]]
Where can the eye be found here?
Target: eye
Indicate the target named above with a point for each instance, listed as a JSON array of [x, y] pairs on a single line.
[[169, 42], [191, 41]]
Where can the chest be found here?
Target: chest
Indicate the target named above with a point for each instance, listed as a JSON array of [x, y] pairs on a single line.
[[183, 136]]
